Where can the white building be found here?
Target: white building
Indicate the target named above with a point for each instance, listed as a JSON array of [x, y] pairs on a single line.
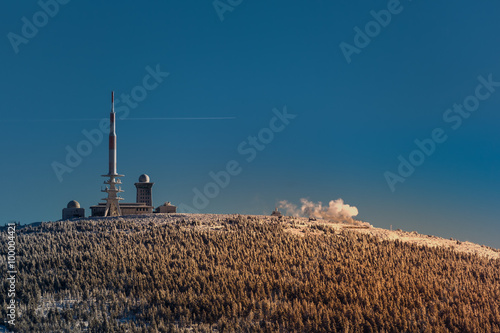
[[73, 211], [143, 204], [167, 207], [144, 190]]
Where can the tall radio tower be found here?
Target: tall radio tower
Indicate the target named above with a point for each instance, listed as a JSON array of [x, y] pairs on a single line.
[[112, 201]]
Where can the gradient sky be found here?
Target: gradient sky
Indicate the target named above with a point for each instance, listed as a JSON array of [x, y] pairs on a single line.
[[352, 121]]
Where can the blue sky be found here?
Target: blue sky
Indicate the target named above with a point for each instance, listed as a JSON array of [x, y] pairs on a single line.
[[353, 119]]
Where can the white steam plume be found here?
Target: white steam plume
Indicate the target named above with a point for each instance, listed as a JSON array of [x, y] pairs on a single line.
[[290, 208], [336, 211]]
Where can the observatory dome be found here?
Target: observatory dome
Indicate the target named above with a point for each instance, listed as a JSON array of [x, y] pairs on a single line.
[[73, 204], [143, 178]]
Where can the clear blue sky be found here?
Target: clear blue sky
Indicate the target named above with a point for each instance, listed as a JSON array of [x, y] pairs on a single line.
[[352, 121]]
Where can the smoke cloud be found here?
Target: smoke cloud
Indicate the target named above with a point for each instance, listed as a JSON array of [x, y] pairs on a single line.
[[336, 210]]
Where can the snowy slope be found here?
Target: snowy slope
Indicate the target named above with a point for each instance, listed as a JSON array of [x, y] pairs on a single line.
[[300, 225]]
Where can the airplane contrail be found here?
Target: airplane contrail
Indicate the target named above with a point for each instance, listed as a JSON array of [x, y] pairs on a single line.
[[183, 118], [97, 119]]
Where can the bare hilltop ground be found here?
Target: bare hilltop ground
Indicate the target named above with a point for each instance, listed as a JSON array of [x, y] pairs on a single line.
[[248, 273], [303, 224]]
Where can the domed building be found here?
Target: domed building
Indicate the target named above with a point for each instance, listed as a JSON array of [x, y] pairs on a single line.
[[73, 211], [143, 203], [144, 190], [112, 205]]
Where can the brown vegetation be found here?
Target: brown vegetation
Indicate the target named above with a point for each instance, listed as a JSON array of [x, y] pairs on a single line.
[[118, 275]]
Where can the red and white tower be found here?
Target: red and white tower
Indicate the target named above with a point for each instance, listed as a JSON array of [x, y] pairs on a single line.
[[112, 201]]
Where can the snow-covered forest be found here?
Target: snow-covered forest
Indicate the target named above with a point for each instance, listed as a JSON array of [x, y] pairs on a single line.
[[232, 273]]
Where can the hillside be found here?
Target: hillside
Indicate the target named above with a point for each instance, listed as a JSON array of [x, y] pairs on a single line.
[[237, 273]]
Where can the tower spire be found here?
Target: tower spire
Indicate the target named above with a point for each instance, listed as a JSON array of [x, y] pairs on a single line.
[[112, 201]]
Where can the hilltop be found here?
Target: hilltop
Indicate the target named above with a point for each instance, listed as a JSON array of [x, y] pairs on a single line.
[[303, 225], [249, 273]]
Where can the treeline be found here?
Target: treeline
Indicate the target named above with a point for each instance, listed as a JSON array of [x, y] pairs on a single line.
[[243, 275]]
